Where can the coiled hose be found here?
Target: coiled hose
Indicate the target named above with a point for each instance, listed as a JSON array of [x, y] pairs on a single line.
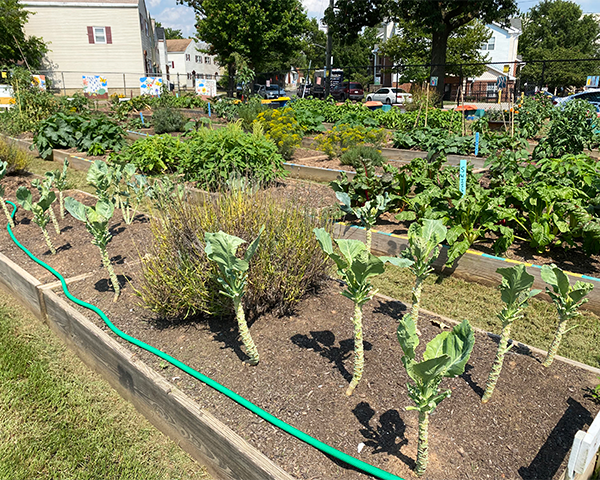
[[323, 447]]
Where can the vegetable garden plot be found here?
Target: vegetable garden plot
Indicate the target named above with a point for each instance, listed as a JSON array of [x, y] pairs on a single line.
[[305, 368]]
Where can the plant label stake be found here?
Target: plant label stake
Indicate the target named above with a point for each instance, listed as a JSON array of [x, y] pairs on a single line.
[[142, 118], [462, 183], [208, 109], [476, 143]]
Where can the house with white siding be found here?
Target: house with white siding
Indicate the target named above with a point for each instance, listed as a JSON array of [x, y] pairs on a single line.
[[188, 63], [113, 39]]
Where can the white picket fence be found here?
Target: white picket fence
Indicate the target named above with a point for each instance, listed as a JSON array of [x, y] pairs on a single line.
[[583, 453]]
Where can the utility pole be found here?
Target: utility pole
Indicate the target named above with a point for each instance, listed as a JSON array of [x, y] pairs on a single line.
[[328, 57]]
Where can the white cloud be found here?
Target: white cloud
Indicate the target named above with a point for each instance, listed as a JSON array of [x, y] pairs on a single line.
[[153, 3], [315, 8], [178, 17]]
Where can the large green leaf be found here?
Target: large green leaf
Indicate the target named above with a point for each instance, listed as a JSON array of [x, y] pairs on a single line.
[[104, 208], [556, 278], [75, 208], [221, 248], [515, 281], [456, 344], [324, 240], [24, 198], [351, 249], [407, 336], [431, 369], [46, 200], [398, 262]]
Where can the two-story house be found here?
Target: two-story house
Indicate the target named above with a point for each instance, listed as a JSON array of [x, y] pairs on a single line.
[[187, 63], [112, 39]]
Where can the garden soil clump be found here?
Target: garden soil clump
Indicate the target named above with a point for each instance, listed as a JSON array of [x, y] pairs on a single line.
[[524, 432]]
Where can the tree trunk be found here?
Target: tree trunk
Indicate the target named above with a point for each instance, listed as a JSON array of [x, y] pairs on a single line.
[[439, 46], [231, 83]]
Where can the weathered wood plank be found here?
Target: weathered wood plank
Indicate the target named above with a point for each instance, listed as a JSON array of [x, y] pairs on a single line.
[[21, 285], [225, 454]]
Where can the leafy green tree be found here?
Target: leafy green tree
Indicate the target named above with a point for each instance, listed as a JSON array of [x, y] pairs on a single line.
[[266, 34], [171, 33], [438, 19], [555, 30], [14, 45]]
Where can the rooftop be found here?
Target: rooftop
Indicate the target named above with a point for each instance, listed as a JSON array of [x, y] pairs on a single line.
[[178, 45]]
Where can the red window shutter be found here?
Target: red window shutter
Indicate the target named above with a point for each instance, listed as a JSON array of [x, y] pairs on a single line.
[[90, 31], [108, 34]]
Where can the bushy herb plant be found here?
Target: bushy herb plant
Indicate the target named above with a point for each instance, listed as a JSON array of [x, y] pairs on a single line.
[[340, 138], [14, 157], [445, 357], [167, 120], [39, 209]]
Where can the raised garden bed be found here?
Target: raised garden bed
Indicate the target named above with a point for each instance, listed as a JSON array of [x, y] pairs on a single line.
[[524, 432]]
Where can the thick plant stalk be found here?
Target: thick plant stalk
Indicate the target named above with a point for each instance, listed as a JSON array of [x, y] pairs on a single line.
[[369, 236], [497, 367], [560, 331], [359, 353], [416, 301], [423, 445], [54, 220], [251, 349], [6, 212], [111, 273], [61, 204], [48, 241]]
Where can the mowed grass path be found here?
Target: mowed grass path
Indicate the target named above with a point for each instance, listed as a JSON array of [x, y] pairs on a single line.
[[60, 420]]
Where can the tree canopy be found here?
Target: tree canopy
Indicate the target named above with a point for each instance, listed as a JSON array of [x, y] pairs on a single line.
[[439, 19], [557, 30], [171, 33], [14, 45]]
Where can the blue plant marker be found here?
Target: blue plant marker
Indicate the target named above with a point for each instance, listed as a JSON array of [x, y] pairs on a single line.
[[142, 117], [476, 143], [209, 109], [462, 185], [177, 95]]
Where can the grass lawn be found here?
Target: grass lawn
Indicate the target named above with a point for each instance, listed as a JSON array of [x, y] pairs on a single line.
[[479, 304], [60, 420]]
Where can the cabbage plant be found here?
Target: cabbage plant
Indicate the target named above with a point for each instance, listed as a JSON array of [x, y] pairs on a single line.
[[445, 357], [39, 209], [59, 179], [96, 221], [368, 214], [356, 266], [567, 299], [516, 293], [101, 177], [221, 248], [3, 169], [44, 187], [423, 250]]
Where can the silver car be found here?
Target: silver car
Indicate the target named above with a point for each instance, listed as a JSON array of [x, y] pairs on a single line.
[[592, 96], [390, 96]]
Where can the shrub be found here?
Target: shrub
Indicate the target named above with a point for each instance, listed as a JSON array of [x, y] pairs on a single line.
[[167, 120], [280, 126], [153, 155], [15, 158], [343, 137], [214, 155], [179, 280], [248, 111]]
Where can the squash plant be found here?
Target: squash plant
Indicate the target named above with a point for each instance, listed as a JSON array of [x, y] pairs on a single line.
[[221, 248], [356, 265], [367, 214], [423, 250], [445, 356], [59, 179], [567, 299], [43, 187], [3, 169], [515, 293], [39, 209], [96, 220]]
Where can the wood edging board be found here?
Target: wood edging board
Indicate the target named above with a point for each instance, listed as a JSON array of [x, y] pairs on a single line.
[[473, 266], [224, 453]]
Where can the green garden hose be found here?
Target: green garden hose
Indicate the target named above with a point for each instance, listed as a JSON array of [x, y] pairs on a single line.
[[323, 447]]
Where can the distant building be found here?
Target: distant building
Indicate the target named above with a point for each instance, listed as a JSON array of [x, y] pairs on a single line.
[[187, 63], [114, 39]]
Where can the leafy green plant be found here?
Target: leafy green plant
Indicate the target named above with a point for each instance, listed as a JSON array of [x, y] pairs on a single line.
[[445, 357], [163, 192], [280, 126], [367, 214], [130, 192], [515, 293], [595, 393], [225, 108], [221, 248], [567, 299], [15, 158], [152, 155], [58, 178], [96, 221], [3, 169], [356, 265], [44, 187], [167, 119], [101, 177], [249, 111], [340, 138], [422, 250], [39, 210]]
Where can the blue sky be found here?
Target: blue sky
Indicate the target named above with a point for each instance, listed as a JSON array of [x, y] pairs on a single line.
[[177, 16]]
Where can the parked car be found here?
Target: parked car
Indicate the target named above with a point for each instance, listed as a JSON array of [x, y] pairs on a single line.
[[302, 92], [271, 92], [592, 96], [348, 90], [390, 96]]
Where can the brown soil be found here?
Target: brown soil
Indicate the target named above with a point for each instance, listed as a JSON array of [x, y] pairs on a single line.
[[525, 432]]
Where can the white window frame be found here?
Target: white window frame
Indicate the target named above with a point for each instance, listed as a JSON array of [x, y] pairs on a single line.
[[490, 44], [207, 60], [103, 34]]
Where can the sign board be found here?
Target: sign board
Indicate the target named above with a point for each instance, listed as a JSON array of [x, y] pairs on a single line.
[[95, 86], [433, 81], [150, 86], [501, 82], [268, 83], [593, 82], [38, 81], [206, 87], [506, 69], [462, 183]]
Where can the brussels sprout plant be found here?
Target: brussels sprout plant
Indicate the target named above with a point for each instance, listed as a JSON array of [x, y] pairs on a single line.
[[59, 179], [367, 214], [39, 209], [3, 168], [44, 187]]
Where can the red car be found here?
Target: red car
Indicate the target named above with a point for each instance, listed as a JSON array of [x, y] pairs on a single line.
[[348, 90]]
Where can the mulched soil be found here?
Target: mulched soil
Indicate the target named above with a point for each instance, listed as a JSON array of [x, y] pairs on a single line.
[[525, 432]]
